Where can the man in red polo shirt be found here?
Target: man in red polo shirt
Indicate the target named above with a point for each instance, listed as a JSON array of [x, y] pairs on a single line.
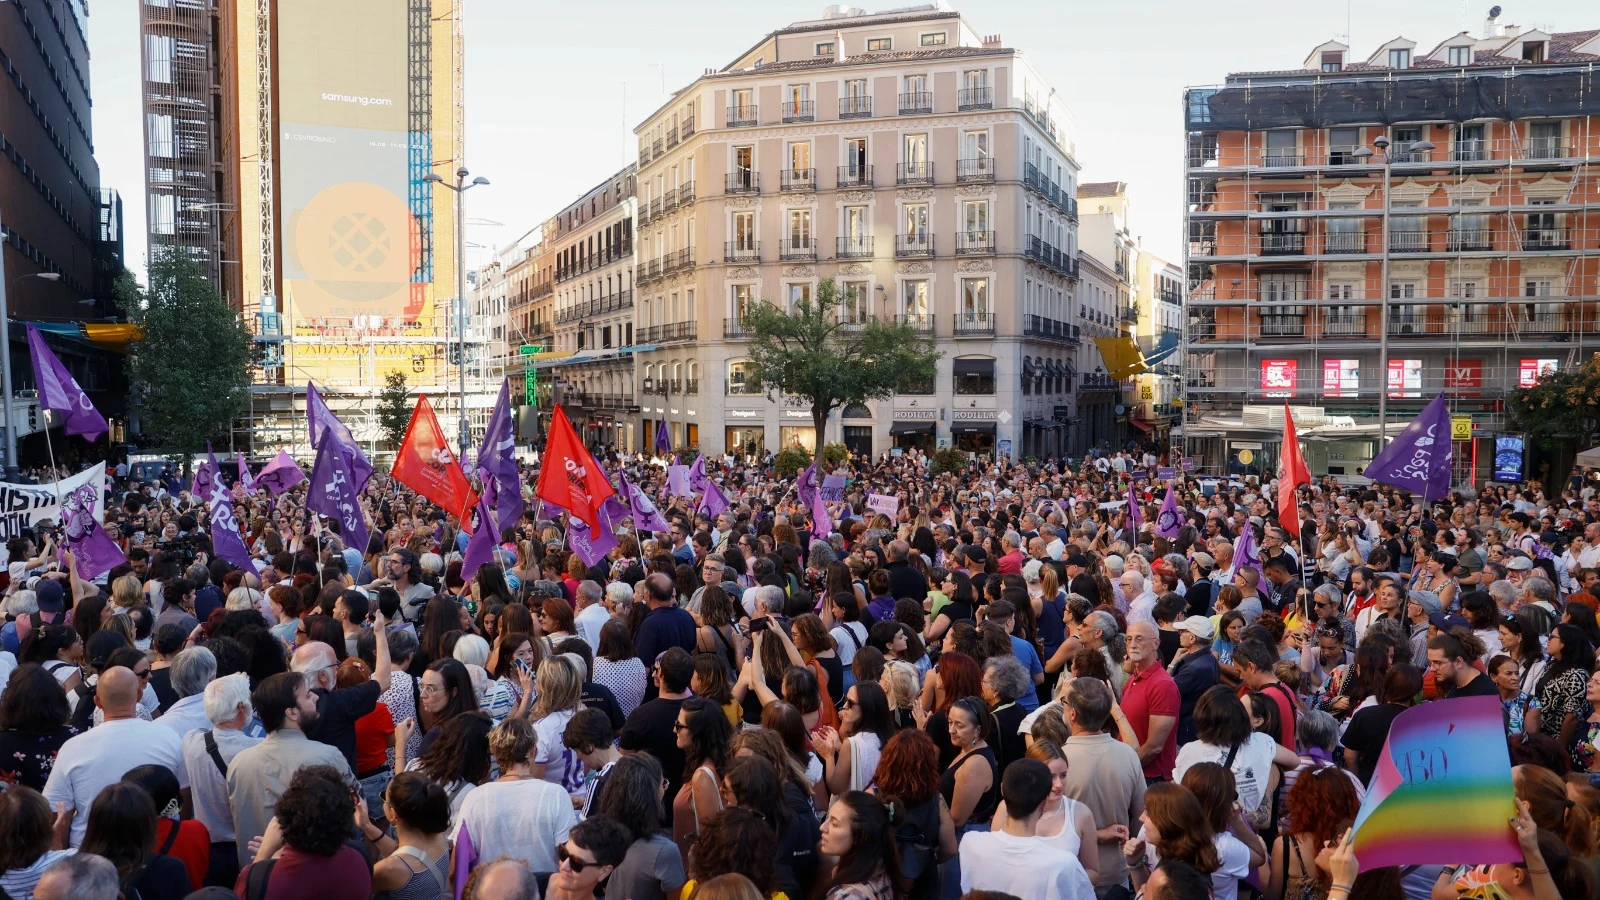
[[1150, 703], [1255, 660]]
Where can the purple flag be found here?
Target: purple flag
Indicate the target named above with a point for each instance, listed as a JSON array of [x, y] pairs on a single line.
[[811, 497], [678, 482], [832, 490], [497, 465], [591, 546], [697, 474], [1168, 522], [323, 423], [480, 547], [1135, 513], [94, 553], [713, 501], [663, 438], [1244, 549], [58, 391], [333, 494], [280, 474], [205, 478], [1418, 459], [645, 515], [225, 539], [614, 511], [244, 475], [805, 487]]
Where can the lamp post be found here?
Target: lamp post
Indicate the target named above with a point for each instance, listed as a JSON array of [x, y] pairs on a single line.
[[1381, 144], [5, 359], [461, 186]]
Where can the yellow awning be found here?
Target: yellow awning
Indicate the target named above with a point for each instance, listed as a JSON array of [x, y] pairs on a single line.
[[1121, 356], [112, 335]]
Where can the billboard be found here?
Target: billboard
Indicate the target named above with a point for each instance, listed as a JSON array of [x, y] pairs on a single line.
[[1341, 377], [1405, 378], [1464, 377], [1531, 370], [1508, 453], [1278, 377]]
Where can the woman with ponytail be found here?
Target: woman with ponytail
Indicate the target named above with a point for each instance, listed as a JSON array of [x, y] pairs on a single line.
[[418, 863], [857, 833]]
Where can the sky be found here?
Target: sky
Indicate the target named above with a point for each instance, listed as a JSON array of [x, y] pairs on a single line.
[[553, 90]]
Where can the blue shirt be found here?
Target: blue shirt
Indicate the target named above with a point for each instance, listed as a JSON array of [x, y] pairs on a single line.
[[1029, 657], [663, 628]]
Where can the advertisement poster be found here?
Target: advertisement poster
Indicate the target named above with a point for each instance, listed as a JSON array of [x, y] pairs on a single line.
[[1531, 370], [1279, 377], [1509, 450], [1464, 377], [1341, 377], [1405, 378]]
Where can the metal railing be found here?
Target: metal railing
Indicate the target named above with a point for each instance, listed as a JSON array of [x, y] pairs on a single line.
[[691, 386], [915, 102], [855, 176], [742, 116], [974, 324], [1546, 148], [1050, 329], [797, 249], [1542, 238], [735, 327], [979, 168], [920, 323], [974, 243], [915, 173], [688, 126], [672, 138], [686, 193], [1408, 241], [742, 182], [1283, 243], [655, 147], [741, 252], [799, 111], [854, 247], [799, 179], [657, 334], [1344, 242], [855, 107], [1458, 240], [913, 245], [1277, 160], [1344, 324], [975, 98]]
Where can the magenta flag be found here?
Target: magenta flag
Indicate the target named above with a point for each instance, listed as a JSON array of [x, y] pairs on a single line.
[[281, 474], [590, 545], [645, 515], [205, 478], [1418, 459], [497, 465], [480, 547], [1135, 513], [678, 481], [1244, 549], [324, 423], [59, 391], [244, 475], [94, 553], [1168, 521], [697, 474], [713, 501], [663, 438]]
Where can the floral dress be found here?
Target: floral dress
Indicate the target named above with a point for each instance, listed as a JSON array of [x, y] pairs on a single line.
[[1517, 711], [1585, 749], [26, 757], [1560, 696]]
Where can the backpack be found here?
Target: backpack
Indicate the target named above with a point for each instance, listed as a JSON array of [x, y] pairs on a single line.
[[917, 841]]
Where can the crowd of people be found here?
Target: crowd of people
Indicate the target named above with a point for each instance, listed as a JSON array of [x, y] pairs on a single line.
[[1012, 687]]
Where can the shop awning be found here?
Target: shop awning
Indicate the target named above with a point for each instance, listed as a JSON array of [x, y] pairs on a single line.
[[1051, 369], [973, 366], [1043, 423], [973, 428], [1142, 425], [918, 427], [1028, 368], [1121, 356]]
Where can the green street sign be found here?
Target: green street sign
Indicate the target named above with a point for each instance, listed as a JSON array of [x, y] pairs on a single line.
[[530, 387], [529, 349]]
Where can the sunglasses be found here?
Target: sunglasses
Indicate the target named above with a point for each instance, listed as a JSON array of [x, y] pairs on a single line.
[[848, 704], [563, 855]]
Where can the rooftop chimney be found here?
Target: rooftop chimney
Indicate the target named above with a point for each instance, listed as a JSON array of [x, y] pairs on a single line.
[[838, 46], [991, 41], [1491, 26]]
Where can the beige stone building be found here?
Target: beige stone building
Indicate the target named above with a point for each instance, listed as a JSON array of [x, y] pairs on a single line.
[[927, 169]]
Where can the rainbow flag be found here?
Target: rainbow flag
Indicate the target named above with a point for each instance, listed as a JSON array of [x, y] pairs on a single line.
[[1442, 791]]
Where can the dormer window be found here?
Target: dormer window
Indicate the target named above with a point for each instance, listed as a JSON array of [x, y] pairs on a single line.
[[1458, 56], [880, 45], [1533, 51], [1332, 61], [825, 48], [1400, 58]]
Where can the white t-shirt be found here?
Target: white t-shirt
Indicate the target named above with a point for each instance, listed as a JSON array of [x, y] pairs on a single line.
[[846, 648], [561, 765], [101, 756], [1252, 765], [1021, 866], [1235, 859], [525, 820]]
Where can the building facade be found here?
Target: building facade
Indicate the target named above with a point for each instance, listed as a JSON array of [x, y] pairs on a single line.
[[1424, 220], [927, 170], [1158, 324]]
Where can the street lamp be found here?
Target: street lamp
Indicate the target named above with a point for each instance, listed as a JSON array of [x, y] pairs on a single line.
[[1381, 143], [461, 186], [5, 360]]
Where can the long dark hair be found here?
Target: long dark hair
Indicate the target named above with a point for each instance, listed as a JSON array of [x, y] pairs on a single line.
[[633, 795], [872, 847], [874, 707], [1576, 653], [122, 828], [33, 701], [710, 734], [461, 751], [464, 698]]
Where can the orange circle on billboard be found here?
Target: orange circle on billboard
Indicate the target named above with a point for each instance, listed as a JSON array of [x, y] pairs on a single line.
[[355, 234]]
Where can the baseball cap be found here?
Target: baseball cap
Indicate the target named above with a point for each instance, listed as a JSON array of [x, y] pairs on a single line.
[[51, 596], [1447, 622], [1520, 564], [1204, 561], [1199, 626]]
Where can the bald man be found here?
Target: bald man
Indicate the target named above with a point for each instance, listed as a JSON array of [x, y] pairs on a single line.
[[504, 879], [103, 754], [339, 708]]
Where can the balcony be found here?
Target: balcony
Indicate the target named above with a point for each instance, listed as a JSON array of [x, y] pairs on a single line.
[[644, 213], [916, 102], [855, 176], [855, 247], [799, 111], [1460, 240], [977, 169], [915, 173], [662, 334], [1408, 241], [798, 249], [1344, 325], [691, 386], [734, 328], [975, 98], [678, 261], [1470, 151], [656, 148], [742, 116], [1283, 243], [1545, 148], [855, 107], [1050, 329], [1345, 241], [686, 193], [907, 246], [741, 251], [974, 324], [1274, 159], [644, 152], [672, 138], [1283, 324], [1547, 239], [655, 208], [669, 200], [742, 182], [799, 179], [919, 323], [688, 126], [974, 243]]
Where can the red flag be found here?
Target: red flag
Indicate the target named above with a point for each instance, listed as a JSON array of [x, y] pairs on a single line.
[[426, 465], [568, 476], [1292, 472]]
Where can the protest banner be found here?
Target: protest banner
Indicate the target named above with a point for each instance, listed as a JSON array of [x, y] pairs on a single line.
[[883, 503], [22, 506]]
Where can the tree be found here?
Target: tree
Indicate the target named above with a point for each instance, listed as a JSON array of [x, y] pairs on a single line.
[[394, 408], [190, 366], [1561, 404], [809, 352]]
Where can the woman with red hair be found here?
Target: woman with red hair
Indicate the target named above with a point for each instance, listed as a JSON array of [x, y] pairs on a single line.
[[1322, 804], [907, 782], [957, 675]]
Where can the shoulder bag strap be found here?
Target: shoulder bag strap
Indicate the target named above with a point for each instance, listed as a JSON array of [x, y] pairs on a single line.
[[256, 887], [1232, 752], [215, 753], [172, 838], [852, 633]]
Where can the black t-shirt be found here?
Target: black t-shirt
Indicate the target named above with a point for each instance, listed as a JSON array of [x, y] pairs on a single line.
[[650, 729], [796, 862], [161, 683], [598, 696], [835, 673], [1368, 731], [1168, 648], [1481, 686], [337, 712], [163, 878]]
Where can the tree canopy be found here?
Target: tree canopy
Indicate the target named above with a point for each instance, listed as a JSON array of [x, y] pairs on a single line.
[[809, 351], [190, 368], [1564, 403], [394, 408]]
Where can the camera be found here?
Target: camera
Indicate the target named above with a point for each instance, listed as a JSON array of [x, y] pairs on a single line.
[[180, 549]]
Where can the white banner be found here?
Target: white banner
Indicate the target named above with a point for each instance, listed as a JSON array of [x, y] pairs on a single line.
[[22, 506]]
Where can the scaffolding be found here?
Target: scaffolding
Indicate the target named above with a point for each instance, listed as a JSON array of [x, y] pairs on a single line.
[[1493, 237]]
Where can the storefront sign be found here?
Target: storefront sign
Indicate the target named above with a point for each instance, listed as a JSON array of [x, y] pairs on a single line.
[[1341, 377], [914, 415], [741, 414], [1464, 377], [1405, 378], [1531, 370], [972, 415], [797, 414]]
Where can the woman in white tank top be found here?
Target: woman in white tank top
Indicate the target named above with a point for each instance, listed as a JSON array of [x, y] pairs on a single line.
[[1066, 824]]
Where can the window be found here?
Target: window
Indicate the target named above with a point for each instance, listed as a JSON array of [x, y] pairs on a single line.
[[1342, 145], [854, 307], [742, 297], [744, 103], [1458, 56], [739, 382], [855, 224], [975, 79], [1332, 61], [605, 337], [915, 294], [1544, 140], [916, 84], [799, 158], [975, 216], [856, 88], [1399, 58], [916, 219], [934, 39], [975, 144], [1282, 294], [1470, 144], [825, 48], [916, 151], [744, 231], [855, 155], [974, 298], [880, 45], [973, 376], [1281, 148], [799, 293], [1533, 51], [799, 229]]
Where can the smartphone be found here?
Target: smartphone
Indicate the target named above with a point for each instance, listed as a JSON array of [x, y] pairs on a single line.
[[522, 665], [760, 624]]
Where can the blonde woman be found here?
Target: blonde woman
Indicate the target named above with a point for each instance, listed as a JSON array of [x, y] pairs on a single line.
[[245, 598], [126, 593], [899, 683], [560, 697]]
